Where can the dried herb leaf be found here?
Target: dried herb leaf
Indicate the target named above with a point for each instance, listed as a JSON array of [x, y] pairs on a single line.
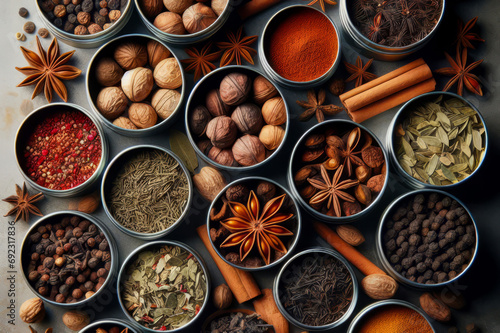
[[180, 145]]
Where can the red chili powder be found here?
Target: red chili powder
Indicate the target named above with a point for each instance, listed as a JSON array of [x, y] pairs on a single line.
[[303, 45], [63, 151]]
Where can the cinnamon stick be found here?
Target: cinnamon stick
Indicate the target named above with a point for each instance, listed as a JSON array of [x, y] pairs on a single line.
[[241, 283], [266, 307], [253, 7]]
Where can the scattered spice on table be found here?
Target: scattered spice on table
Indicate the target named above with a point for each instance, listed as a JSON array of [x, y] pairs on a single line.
[[359, 72], [466, 36], [301, 44], [20, 36], [63, 150], [200, 62], [322, 3], [238, 322], [394, 319], [23, 12], [237, 48], [42, 32], [24, 203], [29, 27], [314, 107]]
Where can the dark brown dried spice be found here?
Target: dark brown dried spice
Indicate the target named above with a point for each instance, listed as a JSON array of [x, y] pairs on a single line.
[[314, 106], [23, 204]]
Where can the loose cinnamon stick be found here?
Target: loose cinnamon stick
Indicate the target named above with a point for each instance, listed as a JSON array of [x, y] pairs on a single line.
[[266, 307], [254, 7], [241, 283]]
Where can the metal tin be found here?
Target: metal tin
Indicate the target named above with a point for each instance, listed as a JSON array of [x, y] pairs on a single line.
[[107, 324], [219, 313], [93, 89], [110, 280], [296, 231], [205, 84], [385, 262], [289, 317], [374, 50], [304, 204], [188, 38], [27, 126], [87, 41], [363, 314], [413, 182], [286, 82], [110, 173], [156, 244]]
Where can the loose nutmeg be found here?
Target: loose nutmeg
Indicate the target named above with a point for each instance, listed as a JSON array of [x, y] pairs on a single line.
[[198, 17], [271, 136], [222, 156], [76, 320], [142, 115], [248, 150], [89, 203], [171, 23], [156, 53], [151, 8], [209, 182], [215, 105], [234, 88], [266, 191], [222, 132], [435, 308], [108, 72], [248, 118], [198, 120], [131, 55], [111, 102], [337, 86], [32, 311], [165, 101], [274, 111], [350, 235], [137, 83], [263, 90], [167, 74], [124, 122], [379, 286], [238, 193], [223, 297], [177, 6]]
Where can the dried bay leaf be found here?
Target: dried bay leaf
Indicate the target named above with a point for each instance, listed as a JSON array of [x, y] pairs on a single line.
[[476, 140], [442, 136], [432, 165], [448, 174], [432, 141], [180, 145], [407, 148]]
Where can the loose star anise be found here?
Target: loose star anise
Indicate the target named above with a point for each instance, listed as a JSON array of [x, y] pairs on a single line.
[[359, 72], [465, 37], [249, 226], [330, 191], [47, 69], [322, 3], [237, 48], [23, 203], [460, 73], [200, 61], [314, 106]]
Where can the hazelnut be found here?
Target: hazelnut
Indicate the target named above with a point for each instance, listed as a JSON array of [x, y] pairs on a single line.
[[171, 23], [221, 131], [234, 88], [262, 89], [94, 28], [209, 182], [156, 53], [198, 120], [218, 6], [108, 72], [165, 101], [198, 17], [274, 111], [215, 105], [131, 55], [222, 156], [167, 74], [248, 118], [271, 136], [248, 150], [223, 297], [137, 83], [177, 6], [151, 8], [124, 122], [142, 115]]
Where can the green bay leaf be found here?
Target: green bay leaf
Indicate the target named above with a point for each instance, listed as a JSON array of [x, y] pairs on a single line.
[[180, 145]]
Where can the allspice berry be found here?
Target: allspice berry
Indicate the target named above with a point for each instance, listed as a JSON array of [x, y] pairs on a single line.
[[165, 101], [108, 72], [142, 115], [167, 74], [151, 8], [198, 17], [249, 150], [111, 102], [223, 297], [274, 111], [156, 53], [263, 90], [222, 132], [124, 122], [177, 6], [235, 88], [248, 118], [131, 55], [222, 156], [171, 23], [272, 136], [215, 105], [137, 83], [198, 120]]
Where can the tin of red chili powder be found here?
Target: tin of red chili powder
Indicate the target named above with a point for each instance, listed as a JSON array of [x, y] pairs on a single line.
[[62, 151]]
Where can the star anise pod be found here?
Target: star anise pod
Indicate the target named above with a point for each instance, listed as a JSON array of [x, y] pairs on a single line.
[[460, 73], [465, 37], [348, 153], [200, 61], [23, 203], [237, 48], [322, 3], [32, 330], [330, 192], [314, 106], [250, 227], [359, 72], [47, 69]]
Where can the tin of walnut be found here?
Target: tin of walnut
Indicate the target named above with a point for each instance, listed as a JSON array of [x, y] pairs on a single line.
[[108, 325]]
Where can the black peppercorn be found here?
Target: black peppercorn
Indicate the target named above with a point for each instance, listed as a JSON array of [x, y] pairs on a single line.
[[78, 8], [113, 4], [58, 22], [69, 27], [87, 6]]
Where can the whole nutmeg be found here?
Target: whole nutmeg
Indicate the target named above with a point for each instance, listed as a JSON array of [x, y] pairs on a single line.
[[131, 55], [274, 111], [137, 83], [435, 308], [234, 88], [209, 182], [167, 74], [262, 89], [142, 115], [379, 286], [151, 8], [218, 6], [171, 23], [215, 105], [223, 297], [248, 118], [249, 150], [156, 53], [222, 156], [32, 311], [198, 17], [89, 203], [222, 132], [111, 102], [76, 320], [350, 234], [165, 101], [199, 119], [177, 6], [238, 192], [124, 122], [266, 191], [272, 136]]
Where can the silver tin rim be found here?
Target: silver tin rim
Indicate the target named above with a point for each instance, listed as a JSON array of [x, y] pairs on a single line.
[[46, 110], [380, 250], [139, 235], [155, 244], [305, 205], [137, 132], [231, 69], [112, 248], [297, 217], [367, 310], [415, 183], [289, 317], [87, 41], [298, 84], [187, 38], [112, 321]]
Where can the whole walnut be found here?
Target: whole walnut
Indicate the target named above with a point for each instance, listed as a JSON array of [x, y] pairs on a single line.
[[262, 89], [215, 105], [124, 122], [131, 55], [167, 74], [156, 53], [151, 8], [171, 23], [234, 88], [248, 150], [177, 6], [32, 311], [248, 118], [142, 115], [198, 120], [137, 83], [271, 136], [111, 102], [198, 17], [108, 72], [222, 132], [76, 320], [274, 111], [165, 101], [218, 6], [222, 156]]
